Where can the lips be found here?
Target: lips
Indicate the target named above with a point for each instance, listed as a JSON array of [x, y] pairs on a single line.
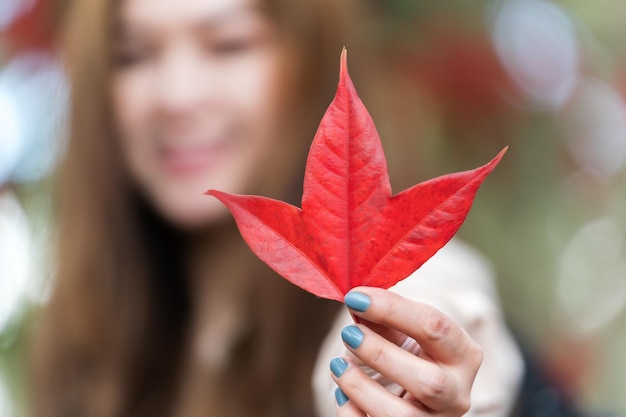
[[185, 160]]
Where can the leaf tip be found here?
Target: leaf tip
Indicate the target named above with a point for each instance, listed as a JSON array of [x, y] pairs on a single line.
[[215, 193], [500, 154], [343, 67]]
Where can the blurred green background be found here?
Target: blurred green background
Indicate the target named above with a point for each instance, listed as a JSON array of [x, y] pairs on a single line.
[[452, 83]]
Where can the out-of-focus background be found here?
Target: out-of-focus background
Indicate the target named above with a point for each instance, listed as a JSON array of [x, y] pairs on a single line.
[[452, 82]]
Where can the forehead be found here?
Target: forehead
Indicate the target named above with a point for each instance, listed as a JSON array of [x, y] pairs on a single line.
[[174, 12]]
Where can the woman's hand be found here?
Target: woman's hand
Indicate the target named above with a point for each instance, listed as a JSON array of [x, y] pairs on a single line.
[[437, 377]]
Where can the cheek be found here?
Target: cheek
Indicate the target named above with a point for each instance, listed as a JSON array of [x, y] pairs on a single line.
[[131, 101], [262, 101], [130, 111], [127, 99], [260, 90]]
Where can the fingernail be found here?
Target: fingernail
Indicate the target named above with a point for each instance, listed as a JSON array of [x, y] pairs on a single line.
[[357, 301], [352, 335], [340, 397], [338, 366]]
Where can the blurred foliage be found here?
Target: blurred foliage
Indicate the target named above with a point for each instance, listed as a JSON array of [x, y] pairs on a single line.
[[13, 364]]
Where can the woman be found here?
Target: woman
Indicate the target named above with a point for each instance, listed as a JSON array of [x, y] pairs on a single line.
[[158, 306]]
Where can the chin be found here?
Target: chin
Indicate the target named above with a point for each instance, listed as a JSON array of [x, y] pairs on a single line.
[[193, 216]]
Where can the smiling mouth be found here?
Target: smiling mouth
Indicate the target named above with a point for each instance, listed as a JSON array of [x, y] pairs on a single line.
[[184, 160]]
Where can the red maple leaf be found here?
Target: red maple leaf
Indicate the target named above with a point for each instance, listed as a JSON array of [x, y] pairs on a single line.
[[351, 231]]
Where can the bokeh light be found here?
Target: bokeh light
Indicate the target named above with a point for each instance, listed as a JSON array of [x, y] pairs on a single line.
[[595, 124], [33, 89], [15, 257], [591, 286], [536, 42], [11, 134]]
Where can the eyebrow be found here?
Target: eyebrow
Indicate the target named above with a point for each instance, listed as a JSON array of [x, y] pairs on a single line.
[[202, 23]]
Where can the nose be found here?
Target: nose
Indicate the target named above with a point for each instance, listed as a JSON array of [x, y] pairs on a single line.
[[180, 85]]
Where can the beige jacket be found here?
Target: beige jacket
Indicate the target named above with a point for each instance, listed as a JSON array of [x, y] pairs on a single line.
[[459, 282]]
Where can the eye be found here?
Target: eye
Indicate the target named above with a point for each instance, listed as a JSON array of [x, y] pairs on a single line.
[[128, 56], [232, 45]]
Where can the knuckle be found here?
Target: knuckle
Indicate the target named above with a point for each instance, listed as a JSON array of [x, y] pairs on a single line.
[[378, 355], [436, 326], [462, 404], [437, 387], [477, 353], [474, 355]]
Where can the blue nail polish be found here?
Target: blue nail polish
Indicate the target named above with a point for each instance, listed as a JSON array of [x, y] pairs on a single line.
[[352, 335], [338, 366], [340, 397], [357, 301]]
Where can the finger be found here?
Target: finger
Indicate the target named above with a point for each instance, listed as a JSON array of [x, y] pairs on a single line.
[[438, 335], [345, 407], [367, 395], [433, 385], [394, 336]]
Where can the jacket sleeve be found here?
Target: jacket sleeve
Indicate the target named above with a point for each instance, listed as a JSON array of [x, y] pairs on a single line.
[[459, 282]]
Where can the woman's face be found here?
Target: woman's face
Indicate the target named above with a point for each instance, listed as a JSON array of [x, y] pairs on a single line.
[[195, 99]]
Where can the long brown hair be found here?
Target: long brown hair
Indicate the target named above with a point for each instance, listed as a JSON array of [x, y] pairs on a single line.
[[113, 339]]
